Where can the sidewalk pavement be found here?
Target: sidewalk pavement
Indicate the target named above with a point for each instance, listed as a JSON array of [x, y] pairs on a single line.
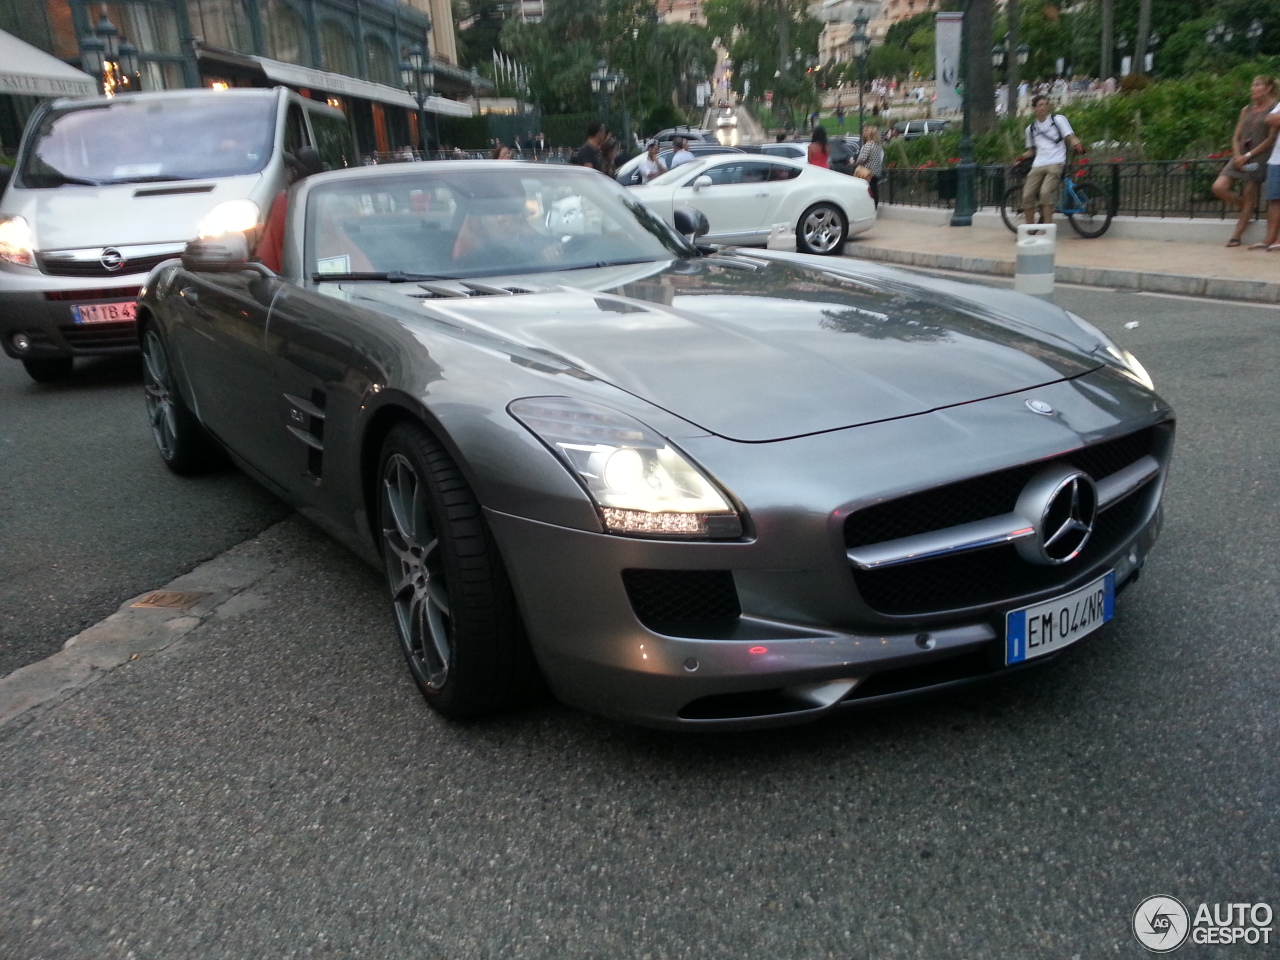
[[1189, 267]]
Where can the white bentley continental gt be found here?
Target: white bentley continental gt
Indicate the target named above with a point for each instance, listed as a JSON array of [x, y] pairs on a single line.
[[744, 195]]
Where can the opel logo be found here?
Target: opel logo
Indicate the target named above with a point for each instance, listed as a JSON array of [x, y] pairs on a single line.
[[1061, 504], [111, 259]]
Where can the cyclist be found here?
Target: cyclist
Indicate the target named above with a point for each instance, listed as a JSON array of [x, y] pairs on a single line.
[[1048, 137]]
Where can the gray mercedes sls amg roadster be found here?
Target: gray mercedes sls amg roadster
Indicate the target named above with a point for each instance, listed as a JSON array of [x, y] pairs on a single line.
[[687, 487]]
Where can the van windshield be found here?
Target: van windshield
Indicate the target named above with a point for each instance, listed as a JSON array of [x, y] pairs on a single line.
[[151, 140]]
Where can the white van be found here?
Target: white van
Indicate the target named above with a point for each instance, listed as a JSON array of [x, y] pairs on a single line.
[[105, 189]]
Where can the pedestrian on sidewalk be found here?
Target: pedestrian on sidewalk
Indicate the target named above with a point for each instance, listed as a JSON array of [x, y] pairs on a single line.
[[589, 155], [1047, 139], [819, 152], [682, 154], [871, 156], [1272, 242], [1250, 145], [650, 165]]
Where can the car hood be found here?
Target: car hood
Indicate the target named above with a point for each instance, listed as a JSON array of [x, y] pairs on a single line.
[[756, 349], [114, 215]]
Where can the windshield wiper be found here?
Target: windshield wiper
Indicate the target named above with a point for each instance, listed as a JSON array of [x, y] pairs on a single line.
[[393, 276], [61, 180], [621, 263]]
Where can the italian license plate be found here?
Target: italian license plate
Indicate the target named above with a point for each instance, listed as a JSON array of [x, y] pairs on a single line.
[[1048, 627], [105, 312]]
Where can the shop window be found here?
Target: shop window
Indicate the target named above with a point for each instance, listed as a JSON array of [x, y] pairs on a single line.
[[222, 23], [382, 65]]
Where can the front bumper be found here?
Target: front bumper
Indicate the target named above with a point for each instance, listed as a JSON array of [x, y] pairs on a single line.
[[745, 673], [781, 627], [39, 307]]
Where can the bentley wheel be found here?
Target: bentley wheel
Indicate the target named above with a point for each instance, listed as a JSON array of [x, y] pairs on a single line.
[[49, 369], [823, 229], [184, 445], [454, 608]]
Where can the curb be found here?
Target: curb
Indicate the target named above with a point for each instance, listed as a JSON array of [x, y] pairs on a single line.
[[226, 588], [1218, 288]]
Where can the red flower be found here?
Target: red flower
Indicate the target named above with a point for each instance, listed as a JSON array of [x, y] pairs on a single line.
[[953, 159]]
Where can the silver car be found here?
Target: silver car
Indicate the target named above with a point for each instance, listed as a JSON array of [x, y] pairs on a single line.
[[686, 487]]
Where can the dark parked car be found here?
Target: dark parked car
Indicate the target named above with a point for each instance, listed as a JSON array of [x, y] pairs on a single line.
[[911, 129], [689, 489]]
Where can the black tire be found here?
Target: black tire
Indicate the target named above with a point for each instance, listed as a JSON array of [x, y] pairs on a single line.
[[1011, 207], [182, 442], [452, 603], [1095, 218], [822, 229], [47, 370]]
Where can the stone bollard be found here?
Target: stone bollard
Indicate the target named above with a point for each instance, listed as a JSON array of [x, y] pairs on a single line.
[[1034, 271], [782, 236]]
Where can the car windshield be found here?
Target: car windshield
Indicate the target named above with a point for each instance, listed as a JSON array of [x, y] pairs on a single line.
[[145, 140], [442, 221], [676, 174]]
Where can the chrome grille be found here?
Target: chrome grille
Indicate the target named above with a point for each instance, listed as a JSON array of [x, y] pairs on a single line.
[[56, 267], [998, 574]]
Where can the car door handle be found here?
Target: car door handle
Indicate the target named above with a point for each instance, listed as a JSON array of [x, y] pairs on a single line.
[[762, 194], [190, 295]]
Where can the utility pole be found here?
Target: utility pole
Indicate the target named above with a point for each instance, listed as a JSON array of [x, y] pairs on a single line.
[[1144, 33], [1013, 73], [1107, 11]]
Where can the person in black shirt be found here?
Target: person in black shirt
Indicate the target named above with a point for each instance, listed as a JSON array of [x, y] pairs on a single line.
[[589, 154]]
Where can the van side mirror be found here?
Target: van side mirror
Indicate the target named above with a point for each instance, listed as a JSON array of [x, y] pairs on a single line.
[[304, 162], [228, 253]]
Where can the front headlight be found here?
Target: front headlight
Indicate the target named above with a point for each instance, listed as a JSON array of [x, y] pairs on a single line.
[[1118, 357], [640, 484], [16, 243], [230, 216]]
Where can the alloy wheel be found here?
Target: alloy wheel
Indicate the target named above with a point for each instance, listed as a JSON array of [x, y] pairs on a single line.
[[415, 572]]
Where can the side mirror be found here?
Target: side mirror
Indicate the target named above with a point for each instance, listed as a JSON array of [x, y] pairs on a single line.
[[305, 162], [228, 253], [690, 222], [702, 181]]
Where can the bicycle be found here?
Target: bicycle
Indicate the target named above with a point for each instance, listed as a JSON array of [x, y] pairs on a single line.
[[1085, 205]]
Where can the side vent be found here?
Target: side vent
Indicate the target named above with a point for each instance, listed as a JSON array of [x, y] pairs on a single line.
[[306, 423]]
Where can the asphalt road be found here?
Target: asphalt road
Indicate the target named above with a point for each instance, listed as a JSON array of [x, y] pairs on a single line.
[[273, 786], [88, 514]]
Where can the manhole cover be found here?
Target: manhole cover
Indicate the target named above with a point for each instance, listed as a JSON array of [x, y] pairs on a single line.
[[168, 600]]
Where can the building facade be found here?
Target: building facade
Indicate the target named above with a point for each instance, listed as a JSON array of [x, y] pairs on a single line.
[[345, 51]]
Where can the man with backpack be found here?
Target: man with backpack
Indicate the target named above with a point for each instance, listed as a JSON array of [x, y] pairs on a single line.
[[1048, 137]]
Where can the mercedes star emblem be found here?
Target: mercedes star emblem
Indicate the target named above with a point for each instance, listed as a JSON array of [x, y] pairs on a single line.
[[1061, 504], [1039, 406]]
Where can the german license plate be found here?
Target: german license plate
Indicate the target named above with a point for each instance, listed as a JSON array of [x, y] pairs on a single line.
[[105, 312], [1048, 627]]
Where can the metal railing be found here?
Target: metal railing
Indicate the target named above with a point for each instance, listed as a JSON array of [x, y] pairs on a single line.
[[1138, 188]]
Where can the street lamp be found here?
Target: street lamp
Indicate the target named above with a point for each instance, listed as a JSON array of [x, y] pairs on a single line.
[[109, 57], [1220, 35], [966, 199], [603, 85], [418, 77], [861, 49], [1254, 34]]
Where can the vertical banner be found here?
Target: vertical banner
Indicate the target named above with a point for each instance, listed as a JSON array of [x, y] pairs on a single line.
[[947, 61]]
